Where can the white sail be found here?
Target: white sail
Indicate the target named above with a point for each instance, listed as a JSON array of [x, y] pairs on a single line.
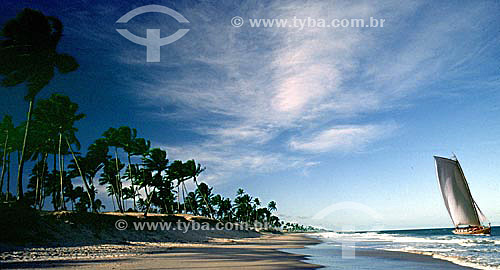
[[482, 217], [456, 193]]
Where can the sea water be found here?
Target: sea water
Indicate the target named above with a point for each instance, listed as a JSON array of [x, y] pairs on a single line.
[[477, 251]]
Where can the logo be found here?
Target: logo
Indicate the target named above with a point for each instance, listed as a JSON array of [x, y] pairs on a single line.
[[152, 41], [349, 244], [121, 224], [237, 21]]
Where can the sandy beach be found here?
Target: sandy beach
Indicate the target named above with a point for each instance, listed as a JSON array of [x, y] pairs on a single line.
[[269, 251], [249, 253]]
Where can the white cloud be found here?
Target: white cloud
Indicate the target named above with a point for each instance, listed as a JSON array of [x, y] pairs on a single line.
[[342, 138], [247, 91], [222, 161]]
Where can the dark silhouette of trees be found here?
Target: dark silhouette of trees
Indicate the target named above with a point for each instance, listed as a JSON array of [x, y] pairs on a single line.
[[28, 53]]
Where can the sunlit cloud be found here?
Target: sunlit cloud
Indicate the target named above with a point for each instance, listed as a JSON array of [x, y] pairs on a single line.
[[342, 138], [256, 97]]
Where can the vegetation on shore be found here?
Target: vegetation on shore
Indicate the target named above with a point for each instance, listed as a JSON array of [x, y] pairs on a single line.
[[23, 226]]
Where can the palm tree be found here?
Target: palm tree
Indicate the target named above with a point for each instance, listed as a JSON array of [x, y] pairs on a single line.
[[88, 166], [144, 180], [256, 202], [15, 145], [108, 177], [38, 180], [140, 147], [205, 194], [42, 143], [272, 206], [194, 170], [223, 207], [132, 173], [216, 202], [28, 53], [226, 209], [79, 200], [58, 114], [112, 138], [156, 162], [275, 221], [192, 202], [263, 213], [177, 171], [6, 129], [243, 206], [126, 137]]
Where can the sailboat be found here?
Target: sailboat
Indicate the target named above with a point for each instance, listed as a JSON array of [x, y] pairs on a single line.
[[462, 208]]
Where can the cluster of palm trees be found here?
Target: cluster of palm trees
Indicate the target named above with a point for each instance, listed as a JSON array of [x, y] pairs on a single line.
[[295, 227], [243, 209], [125, 164]]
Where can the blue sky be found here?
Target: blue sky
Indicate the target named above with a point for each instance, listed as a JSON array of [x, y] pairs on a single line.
[[347, 118]]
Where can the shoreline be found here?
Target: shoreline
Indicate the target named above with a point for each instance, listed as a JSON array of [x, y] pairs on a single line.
[[264, 252], [326, 253], [441, 263], [268, 251]]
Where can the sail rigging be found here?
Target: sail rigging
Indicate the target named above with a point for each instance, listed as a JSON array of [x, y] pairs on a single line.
[[458, 200]]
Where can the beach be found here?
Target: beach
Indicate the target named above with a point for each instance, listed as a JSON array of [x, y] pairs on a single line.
[[269, 251], [64, 240], [264, 252]]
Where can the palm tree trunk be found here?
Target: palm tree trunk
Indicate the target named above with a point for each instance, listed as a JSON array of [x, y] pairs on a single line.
[[184, 197], [37, 183], [87, 187], [204, 199], [113, 201], [114, 197], [63, 206], [21, 163], [178, 197], [62, 163], [131, 180], [8, 179], [53, 186], [40, 202], [4, 159], [118, 183], [148, 203], [146, 191]]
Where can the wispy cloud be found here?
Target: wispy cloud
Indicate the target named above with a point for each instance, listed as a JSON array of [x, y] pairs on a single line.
[[342, 138], [256, 96], [223, 161]]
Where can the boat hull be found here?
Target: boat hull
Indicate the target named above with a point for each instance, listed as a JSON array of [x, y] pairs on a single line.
[[472, 231]]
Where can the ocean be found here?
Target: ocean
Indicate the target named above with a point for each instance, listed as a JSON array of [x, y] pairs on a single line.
[[478, 251]]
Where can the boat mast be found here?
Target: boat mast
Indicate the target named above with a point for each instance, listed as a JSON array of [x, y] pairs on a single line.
[[467, 187]]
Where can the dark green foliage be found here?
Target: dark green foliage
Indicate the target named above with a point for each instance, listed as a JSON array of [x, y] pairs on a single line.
[[28, 51]]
